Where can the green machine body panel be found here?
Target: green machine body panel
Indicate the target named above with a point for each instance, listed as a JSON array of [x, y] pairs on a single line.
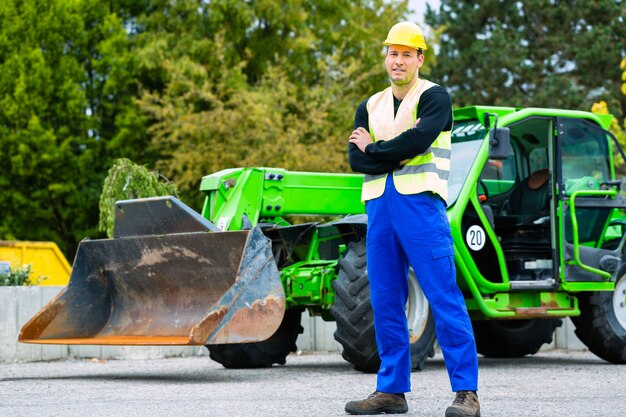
[[244, 197]]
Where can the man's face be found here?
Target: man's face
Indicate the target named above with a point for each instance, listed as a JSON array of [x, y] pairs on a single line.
[[402, 64]]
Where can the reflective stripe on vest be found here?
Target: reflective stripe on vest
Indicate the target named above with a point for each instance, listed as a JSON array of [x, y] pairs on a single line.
[[426, 172]]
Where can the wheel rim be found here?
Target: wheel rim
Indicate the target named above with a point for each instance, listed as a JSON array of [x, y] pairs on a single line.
[[619, 301], [417, 309]]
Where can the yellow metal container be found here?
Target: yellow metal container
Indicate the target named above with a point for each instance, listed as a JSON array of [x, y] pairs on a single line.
[[45, 260]]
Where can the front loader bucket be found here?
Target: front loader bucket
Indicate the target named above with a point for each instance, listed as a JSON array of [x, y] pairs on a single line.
[[173, 289]]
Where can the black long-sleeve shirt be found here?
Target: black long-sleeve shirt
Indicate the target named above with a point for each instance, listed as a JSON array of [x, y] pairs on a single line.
[[435, 114]]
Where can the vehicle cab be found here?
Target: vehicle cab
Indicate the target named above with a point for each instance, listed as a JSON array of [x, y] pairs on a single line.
[[534, 206]]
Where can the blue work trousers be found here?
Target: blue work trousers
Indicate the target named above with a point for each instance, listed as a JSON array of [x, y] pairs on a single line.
[[414, 230]]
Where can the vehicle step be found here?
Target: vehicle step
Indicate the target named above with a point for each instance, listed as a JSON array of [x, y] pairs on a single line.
[[544, 284]]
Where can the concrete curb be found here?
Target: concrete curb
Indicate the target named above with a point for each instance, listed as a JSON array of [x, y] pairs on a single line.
[[20, 304]]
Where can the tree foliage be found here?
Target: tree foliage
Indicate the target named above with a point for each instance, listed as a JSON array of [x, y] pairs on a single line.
[[622, 65], [126, 181], [66, 83], [620, 134], [259, 83], [543, 53], [185, 86]]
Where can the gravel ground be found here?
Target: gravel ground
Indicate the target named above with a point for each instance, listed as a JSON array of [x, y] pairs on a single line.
[[551, 384]]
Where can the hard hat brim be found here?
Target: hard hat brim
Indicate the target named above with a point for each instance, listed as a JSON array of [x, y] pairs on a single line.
[[423, 48]]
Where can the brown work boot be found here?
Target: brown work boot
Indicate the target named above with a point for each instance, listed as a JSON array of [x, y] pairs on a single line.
[[465, 404], [378, 403]]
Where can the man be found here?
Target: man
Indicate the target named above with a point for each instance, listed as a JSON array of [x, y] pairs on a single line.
[[401, 141]]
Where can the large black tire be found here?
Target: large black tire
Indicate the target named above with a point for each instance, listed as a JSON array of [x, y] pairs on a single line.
[[513, 338], [601, 325], [355, 321], [261, 354]]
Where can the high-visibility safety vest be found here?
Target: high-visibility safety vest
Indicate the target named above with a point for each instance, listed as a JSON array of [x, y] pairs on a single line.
[[427, 171]]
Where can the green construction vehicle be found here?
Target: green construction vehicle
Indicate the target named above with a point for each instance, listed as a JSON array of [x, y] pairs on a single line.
[[536, 214]]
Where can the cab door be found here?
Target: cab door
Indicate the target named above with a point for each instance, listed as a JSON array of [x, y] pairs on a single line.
[[587, 195]]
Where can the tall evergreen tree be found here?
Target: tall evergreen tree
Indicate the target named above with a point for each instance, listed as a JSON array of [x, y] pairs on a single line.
[[543, 53], [66, 87]]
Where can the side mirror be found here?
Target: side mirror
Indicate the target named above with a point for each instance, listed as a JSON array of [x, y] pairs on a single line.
[[499, 143]]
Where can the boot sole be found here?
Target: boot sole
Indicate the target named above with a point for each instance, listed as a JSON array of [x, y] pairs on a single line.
[[455, 413], [400, 409]]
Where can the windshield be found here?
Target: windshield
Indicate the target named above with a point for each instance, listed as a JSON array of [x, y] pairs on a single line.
[[466, 140], [584, 155]]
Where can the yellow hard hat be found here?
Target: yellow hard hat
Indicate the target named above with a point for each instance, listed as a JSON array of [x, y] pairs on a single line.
[[406, 34]]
